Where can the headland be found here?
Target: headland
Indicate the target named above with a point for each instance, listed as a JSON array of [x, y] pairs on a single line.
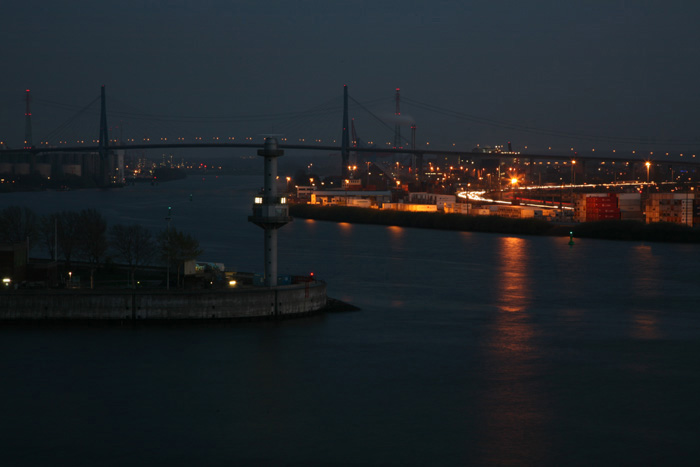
[[162, 305]]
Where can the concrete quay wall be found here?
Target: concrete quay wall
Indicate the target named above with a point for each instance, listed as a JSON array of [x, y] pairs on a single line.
[[137, 304]]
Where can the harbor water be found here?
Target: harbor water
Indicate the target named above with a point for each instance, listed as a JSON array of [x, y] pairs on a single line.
[[469, 349]]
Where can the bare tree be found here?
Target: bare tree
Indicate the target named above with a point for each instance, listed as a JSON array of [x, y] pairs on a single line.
[[68, 240], [47, 233], [17, 225], [92, 235], [178, 247], [134, 244]]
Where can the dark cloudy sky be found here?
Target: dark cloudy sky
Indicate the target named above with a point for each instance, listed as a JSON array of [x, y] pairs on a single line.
[[624, 70]]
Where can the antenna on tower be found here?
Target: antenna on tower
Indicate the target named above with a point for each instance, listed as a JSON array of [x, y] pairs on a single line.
[[345, 138], [103, 144], [27, 124], [397, 126]]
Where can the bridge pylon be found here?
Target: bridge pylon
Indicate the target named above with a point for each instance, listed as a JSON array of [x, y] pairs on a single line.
[[103, 146], [345, 140]]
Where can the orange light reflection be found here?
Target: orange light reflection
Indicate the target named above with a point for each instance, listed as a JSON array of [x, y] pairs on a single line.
[[514, 412], [645, 324]]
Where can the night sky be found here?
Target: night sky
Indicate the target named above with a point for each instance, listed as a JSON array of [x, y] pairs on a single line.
[[624, 71]]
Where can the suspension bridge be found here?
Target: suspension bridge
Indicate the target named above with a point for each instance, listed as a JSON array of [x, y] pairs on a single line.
[[69, 137]]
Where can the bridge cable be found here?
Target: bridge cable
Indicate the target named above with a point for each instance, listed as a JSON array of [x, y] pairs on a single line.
[[68, 122], [535, 130], [382, 122]]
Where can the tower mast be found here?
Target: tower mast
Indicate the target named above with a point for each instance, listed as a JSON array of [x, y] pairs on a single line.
[[27, 124], [397, 126], [345, 143], [103, 144]]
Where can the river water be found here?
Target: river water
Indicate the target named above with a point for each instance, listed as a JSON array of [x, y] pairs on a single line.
[[470, 349]]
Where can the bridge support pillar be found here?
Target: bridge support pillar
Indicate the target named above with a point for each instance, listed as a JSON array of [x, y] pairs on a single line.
[[419, 166]]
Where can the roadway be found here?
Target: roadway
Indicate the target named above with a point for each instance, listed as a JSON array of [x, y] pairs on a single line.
[[311, 147]]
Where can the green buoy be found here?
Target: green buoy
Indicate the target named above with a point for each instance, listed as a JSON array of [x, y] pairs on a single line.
[[571, 238]]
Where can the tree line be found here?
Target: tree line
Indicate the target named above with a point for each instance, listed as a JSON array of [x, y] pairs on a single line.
[[85, 236]]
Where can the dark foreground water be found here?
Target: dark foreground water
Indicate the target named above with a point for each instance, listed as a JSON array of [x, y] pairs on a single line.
[[470, 349]]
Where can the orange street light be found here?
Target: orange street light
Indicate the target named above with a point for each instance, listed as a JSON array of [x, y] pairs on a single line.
[[648, 164]]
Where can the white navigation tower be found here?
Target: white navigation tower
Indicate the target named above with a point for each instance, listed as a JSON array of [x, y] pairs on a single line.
[[270, 211]]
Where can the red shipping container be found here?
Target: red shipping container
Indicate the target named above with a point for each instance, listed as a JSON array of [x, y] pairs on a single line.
[[602, 204]]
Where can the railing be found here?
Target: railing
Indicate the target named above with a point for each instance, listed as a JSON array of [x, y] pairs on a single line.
[[270, 212]]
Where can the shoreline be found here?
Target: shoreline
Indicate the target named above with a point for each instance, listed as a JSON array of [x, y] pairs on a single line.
[[133, 305], [605, 230], [332, 306]]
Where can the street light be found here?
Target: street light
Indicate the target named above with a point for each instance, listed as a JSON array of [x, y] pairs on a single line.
[[499, 179], [514, 196], [167, 276], [648, 164], [573, 179]]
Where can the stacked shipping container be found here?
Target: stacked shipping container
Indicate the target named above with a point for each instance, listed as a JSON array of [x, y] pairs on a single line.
[[602, 207], [630, 205], [670, 207], [579, 204]]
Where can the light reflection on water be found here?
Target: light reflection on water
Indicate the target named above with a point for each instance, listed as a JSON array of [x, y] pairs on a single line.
[[512, 405], [514, 290], [345, 228], [644, 271]]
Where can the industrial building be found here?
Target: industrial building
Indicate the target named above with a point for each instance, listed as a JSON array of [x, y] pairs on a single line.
[[363, 199], [65, 166]]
